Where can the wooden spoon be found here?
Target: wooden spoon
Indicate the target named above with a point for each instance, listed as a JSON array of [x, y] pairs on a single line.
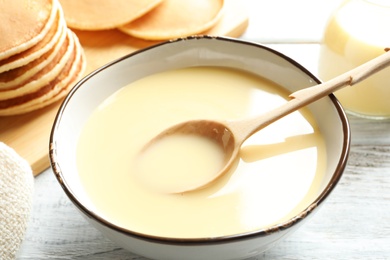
[[230, 135]]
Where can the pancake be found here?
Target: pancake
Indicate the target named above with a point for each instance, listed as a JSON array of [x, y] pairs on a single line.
[[176, 18], [12, 78], [47, 74], [65, 86], [53, 90], [38, 49], [104, 14], [24, 23]]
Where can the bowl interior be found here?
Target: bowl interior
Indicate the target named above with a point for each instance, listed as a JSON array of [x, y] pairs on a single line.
[[198, 51]]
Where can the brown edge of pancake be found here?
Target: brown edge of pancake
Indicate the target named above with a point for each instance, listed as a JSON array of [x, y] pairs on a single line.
[[37, 50], [13, 78], [47, 74], [28, 44], [60, 87]]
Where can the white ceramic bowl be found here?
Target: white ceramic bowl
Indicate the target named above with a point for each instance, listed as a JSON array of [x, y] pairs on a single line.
[[199, 51]]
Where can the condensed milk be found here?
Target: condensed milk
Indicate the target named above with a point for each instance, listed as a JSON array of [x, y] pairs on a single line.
[[278, 174], [356, 33]]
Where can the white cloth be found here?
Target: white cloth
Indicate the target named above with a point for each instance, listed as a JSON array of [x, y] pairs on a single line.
[[16, 189]]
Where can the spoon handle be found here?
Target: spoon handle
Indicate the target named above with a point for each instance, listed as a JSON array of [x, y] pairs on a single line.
[[348, 78], [303, 97]]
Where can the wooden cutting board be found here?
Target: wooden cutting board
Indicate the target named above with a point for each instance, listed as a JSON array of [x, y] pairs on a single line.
[[29, 134]]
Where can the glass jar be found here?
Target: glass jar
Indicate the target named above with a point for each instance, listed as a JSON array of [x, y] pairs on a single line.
[[358, 31]]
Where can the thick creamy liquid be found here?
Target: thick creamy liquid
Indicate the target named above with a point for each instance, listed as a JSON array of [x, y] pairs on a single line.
[[179, 162], [357, 33], [280, 170]]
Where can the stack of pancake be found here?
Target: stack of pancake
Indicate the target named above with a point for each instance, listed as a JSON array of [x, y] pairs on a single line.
[[147, 19], [40, 58]]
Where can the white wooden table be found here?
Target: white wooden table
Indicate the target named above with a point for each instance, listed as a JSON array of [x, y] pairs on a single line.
[[354, 223]]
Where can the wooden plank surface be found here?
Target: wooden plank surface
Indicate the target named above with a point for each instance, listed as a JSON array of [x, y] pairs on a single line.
[[29, 134]]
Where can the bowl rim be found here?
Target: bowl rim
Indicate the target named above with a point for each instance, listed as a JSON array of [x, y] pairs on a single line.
[[336, 176]]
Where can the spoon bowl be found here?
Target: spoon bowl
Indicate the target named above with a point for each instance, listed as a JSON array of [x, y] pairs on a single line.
[[231, 135], [218, 132]]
